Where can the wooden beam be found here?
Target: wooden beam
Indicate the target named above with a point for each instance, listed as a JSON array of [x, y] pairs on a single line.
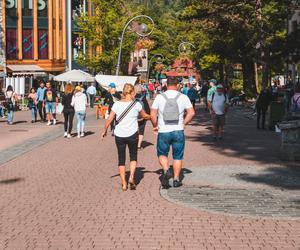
[[57, 28], [35, 31], [19, 30], [64, 30], [50, 29]]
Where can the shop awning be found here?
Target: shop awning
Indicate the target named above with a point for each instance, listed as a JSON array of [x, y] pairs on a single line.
[[105, 80], [75, 75], [25, 68]]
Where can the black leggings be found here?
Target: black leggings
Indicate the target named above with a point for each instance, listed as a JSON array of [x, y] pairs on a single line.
[[132, 143], [69, 116]]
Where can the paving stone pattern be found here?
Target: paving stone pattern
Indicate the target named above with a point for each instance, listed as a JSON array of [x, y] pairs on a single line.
[[66, 195], [241, 190]]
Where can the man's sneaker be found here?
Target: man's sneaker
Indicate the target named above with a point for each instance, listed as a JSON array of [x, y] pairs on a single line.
[[65, 134], [78, 135], [68, 136], [49, 123], [54, 121], [82, 134], [165, 179], [177, 183]]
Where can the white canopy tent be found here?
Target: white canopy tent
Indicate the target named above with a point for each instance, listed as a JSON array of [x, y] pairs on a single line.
[[120, 81], [75, 75]]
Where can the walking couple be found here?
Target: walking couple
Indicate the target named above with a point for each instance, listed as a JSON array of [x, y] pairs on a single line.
[[167, 117]]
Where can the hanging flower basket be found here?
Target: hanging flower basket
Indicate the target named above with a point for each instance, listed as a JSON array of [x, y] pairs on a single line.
[[159, 67], [144, 43]]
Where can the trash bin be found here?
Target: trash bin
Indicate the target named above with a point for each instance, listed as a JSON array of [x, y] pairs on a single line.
[[276, 114]]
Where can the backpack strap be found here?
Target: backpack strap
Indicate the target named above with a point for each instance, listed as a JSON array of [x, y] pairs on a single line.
[[165, 96], [125, 112], [177, 96]]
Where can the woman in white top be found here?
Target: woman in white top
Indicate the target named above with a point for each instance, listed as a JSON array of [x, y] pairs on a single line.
[[79, 102], [126, 112], [11, 98]]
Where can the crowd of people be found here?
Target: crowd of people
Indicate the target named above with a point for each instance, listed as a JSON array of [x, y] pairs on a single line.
[[172, 109]]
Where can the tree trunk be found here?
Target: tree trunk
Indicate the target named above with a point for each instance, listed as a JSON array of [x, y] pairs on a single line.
[[249, 77]]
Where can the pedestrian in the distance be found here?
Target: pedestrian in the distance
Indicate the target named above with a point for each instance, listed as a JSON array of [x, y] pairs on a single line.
[[50, 102], [111, 97], [32, 104], [167, 117], [203, 94], [295, 100], [126, 112], [262, 103], [40, 94], [193, 95], [91, 91], [218, 105], [11, 99], [79, 102], [142, 99], [68, 111]]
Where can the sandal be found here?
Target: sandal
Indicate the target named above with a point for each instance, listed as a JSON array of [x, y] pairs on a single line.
[[131, 185]]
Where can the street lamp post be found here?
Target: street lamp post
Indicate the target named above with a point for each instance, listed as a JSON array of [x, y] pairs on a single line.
[[144, 29], [182, 47], [149, 64]]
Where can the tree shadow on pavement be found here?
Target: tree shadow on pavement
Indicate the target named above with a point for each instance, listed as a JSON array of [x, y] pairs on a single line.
[[285, 177], [11, 181], [241, 138]]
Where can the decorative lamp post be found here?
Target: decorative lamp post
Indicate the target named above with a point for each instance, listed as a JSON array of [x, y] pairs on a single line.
[[185, 47], [143, 32], [159, 57]]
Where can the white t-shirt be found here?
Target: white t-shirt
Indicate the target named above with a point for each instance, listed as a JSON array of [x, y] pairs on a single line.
[[219, 103], [159, 104], [129, 125]]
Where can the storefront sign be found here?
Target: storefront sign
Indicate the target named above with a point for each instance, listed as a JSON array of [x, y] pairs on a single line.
[[14, 4]]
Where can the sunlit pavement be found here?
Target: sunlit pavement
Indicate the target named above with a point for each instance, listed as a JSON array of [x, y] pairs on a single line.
[[66, 194]]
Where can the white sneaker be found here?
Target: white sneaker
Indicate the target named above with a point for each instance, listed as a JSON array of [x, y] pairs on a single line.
[[65, 134], [78, 135], [49, 123], [54, 121], [82, 134], [69, 136]]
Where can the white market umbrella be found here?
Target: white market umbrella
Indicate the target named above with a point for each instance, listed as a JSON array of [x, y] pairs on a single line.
[[120, 81], [75, 75]]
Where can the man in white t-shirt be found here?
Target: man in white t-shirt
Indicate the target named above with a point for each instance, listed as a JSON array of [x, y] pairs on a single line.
[[167, 117], [218, 106]]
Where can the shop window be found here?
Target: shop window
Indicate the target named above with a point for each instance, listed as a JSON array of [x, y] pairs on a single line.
[[11, 29], [27, 24], [43, 29]]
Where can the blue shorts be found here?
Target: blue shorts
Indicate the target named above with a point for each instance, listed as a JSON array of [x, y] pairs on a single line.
[[50, 107], [175, 139]]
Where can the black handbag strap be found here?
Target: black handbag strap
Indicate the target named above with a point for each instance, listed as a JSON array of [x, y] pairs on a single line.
[[125, 112]]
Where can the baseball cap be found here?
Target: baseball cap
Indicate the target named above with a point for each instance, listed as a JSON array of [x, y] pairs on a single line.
[[220, 86], [112, 85]]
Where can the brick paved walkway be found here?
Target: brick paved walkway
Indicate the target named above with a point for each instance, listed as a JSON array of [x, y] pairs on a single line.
[[66, 195]]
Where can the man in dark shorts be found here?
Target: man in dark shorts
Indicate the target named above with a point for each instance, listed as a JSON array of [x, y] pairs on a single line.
[[218, 106]]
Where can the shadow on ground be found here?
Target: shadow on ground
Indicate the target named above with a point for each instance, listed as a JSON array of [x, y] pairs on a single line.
[[11, 181], [285, 177], [141, 171], [241, 138]]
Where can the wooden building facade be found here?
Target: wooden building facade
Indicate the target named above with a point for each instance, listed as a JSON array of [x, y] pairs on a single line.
[[35, 33]]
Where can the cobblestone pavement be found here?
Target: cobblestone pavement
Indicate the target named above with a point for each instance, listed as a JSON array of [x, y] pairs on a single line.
[[66, 195], [227, 190]]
